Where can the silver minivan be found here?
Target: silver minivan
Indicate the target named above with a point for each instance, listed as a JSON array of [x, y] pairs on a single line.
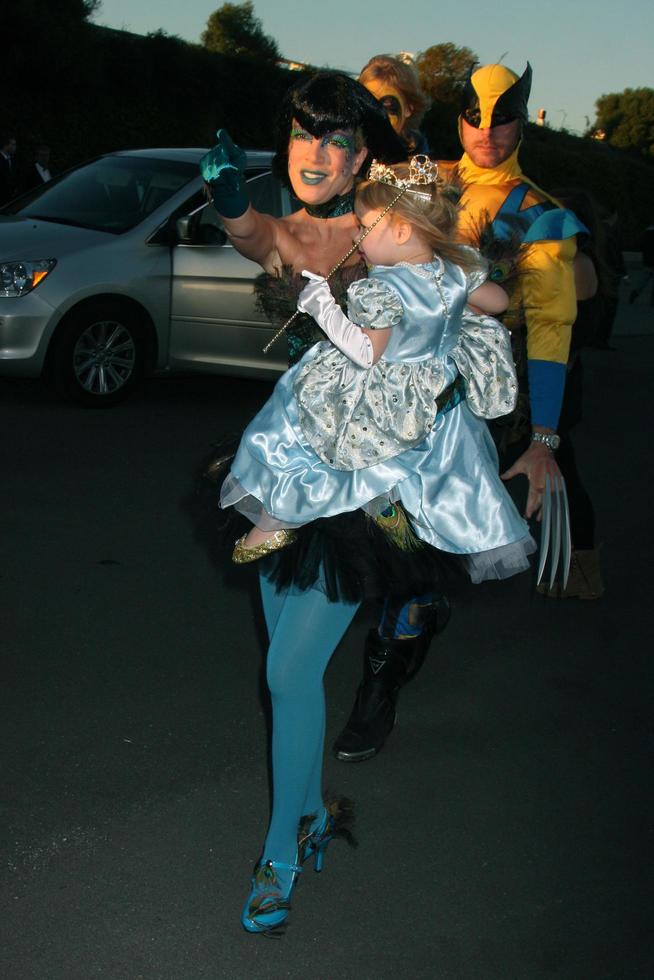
[[121, 267]]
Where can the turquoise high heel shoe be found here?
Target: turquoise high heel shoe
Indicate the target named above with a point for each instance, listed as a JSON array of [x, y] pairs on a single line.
[[317, 832], [268, 904]]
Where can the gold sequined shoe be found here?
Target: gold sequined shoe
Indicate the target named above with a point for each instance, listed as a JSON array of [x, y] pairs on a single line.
[[280, 539]]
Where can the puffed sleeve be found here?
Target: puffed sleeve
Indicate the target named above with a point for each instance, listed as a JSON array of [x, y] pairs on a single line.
[[478, 274], [374, 304]]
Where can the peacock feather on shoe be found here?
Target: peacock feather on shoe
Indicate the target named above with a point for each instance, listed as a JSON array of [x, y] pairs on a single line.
[[337, 823], [268, 898], [268, 903]]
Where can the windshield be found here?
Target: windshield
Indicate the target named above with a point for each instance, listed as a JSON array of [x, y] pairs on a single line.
[[111, 194]]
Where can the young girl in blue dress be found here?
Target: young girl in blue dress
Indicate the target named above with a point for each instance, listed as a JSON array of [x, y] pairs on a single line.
[[388, 410]]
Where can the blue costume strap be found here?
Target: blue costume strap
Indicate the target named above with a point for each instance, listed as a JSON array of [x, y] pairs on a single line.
[[555, 226], [538, 223], [510, 218]]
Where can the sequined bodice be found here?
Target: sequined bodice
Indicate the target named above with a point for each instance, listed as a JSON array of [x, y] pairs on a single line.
[[277, 299]]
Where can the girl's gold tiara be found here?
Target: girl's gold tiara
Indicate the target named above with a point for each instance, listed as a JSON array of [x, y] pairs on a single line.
[[422, 171]]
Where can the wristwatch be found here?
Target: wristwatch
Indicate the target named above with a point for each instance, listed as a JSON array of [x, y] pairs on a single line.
[[549, 439]]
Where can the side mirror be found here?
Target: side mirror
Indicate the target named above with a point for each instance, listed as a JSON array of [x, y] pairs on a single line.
[[190, 232], [183, 229]]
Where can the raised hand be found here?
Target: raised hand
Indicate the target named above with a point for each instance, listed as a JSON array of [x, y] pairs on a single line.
[[222, 169]]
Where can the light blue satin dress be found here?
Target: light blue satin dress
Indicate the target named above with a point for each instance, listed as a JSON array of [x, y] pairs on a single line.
[[334, 437]]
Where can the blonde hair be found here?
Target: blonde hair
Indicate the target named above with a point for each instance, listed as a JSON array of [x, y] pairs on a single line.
[[434, 219], [404, 77]]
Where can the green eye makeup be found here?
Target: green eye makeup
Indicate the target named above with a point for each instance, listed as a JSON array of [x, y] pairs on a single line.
[[300, 134]]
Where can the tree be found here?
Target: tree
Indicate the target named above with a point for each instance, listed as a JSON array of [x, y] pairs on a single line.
[[45, 41], [43, 17], [69, 11], [233, 29], [444, 69], [627, 120]]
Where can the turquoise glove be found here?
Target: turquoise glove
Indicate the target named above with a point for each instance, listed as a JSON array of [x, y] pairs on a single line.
[[222, 168]]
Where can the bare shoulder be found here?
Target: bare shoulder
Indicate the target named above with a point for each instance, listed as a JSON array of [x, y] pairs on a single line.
[[295, 227], [288, 235], [308, 243]]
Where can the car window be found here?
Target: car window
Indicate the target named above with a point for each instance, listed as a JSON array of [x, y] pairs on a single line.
[[111, 194], [266, 195]]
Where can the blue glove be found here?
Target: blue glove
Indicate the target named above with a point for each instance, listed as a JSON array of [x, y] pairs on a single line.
[[222, 168]]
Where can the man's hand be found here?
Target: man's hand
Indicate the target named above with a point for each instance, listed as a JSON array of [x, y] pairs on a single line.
[[536, 463]]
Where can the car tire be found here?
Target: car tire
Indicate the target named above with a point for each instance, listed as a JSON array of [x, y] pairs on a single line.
[[99, 354]]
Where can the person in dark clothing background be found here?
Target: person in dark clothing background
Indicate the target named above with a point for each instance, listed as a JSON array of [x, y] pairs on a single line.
[[647, 248], [38, 172], [8, 176], [610, 255]]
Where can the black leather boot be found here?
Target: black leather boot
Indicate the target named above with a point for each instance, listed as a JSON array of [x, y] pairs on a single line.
[[387, 666]]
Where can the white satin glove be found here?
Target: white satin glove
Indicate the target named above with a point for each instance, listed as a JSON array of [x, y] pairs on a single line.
[[316, 300]]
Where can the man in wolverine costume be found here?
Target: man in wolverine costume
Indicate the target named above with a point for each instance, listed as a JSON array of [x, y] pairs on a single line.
[[503, 205]]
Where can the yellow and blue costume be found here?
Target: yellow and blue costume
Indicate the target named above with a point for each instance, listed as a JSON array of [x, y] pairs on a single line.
[[542, 297], [542, 310]]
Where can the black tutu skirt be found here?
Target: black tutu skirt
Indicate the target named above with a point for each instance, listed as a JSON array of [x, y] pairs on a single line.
[[348, 557]]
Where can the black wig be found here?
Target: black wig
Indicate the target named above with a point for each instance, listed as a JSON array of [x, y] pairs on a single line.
[[332, 101]]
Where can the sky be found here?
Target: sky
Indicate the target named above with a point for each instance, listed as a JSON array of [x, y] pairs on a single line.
[[578, 49]]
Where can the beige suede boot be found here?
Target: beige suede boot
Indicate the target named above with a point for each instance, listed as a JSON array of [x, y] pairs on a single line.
[[584, 581]]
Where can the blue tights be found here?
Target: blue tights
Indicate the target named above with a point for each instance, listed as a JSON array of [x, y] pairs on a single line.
[[304, 630]]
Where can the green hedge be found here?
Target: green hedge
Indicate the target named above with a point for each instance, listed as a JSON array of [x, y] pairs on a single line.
[[106, 90], [86, 90], [616, 179]]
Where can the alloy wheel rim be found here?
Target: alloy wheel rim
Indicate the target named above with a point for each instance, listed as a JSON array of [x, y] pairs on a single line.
[[104, 357]]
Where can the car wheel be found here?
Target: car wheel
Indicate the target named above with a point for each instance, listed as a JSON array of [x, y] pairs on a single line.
[[98, 359]]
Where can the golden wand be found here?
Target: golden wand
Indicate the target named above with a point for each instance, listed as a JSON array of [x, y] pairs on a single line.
[[338, 265]]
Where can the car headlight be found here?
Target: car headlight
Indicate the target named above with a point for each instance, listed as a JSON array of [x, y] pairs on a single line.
[[19, 278]]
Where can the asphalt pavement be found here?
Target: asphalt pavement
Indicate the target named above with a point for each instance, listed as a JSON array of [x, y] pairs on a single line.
[[504, 831]]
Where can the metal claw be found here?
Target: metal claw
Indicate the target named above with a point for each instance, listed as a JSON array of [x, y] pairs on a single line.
[[216, 468], [545, 521], [555, 538], [566, 539], [555, 532]]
